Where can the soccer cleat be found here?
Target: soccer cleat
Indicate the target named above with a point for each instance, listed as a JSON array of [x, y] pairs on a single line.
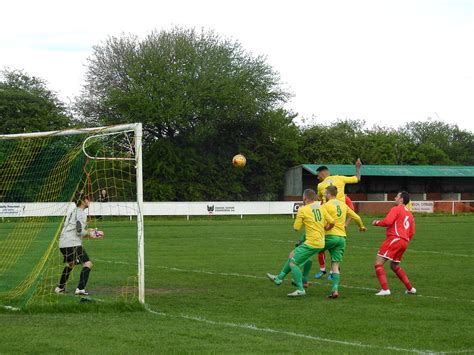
[[305, 284], [383, 293], [330, 276], [274, 279], [59, 290], [297, 293], [320, 274], [81, 292], [334, 294], [411, 292]]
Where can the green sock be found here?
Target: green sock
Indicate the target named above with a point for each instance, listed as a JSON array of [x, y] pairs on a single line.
[[307, 270], [297, 277], [285, 270], [335, 281]]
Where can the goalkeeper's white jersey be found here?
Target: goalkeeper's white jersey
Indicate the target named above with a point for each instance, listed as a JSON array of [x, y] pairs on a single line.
[[74, 229]]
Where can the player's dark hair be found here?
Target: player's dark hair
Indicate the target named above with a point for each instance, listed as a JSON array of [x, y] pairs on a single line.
[[310, 194], [322, 168], [79, 197], [332, 190], [406, 197]]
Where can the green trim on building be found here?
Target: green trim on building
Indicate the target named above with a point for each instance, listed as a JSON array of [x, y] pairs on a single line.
[[397, 170]]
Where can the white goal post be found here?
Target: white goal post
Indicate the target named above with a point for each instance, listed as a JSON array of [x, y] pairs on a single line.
[[137, 130]]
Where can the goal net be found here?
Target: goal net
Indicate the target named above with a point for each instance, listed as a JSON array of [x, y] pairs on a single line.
[[41, 176]]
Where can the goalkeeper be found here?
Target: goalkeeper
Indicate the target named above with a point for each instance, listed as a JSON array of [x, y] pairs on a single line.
[[70, 245]]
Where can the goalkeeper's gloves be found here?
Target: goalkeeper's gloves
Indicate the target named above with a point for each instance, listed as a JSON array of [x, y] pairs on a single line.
[[95, 234]]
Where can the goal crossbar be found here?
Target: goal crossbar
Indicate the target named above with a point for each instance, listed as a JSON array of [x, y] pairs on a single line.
[[75, 131]]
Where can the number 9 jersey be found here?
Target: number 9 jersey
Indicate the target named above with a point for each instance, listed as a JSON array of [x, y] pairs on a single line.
[[399, 222]]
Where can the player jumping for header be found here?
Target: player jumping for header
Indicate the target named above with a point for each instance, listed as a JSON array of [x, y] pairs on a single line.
[[70, 245], [315, 221], [400, 226], [326, 179]]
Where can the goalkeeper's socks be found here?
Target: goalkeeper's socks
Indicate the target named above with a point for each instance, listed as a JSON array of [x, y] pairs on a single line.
[[403, 277], [307, 270], [297, 277], [380, 272], [335, 281], [64, 277], [84, 277], [286, 269]]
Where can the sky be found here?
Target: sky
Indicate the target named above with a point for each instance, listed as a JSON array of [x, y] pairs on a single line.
[[385, 62]]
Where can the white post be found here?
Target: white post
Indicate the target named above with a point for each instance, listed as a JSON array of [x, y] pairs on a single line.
[[452, 209], [140, 222]]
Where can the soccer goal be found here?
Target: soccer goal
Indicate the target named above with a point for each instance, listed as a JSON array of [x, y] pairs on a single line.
[[41, 176]]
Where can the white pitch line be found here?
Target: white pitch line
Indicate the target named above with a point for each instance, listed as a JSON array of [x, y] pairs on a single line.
[[351, 246], [235, 274], [10, 308], [253, 327]]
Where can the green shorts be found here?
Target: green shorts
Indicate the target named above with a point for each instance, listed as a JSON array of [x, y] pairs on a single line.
[[303, 253], [336, 246]]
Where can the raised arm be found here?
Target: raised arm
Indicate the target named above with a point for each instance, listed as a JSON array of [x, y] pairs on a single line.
[[358, 165]]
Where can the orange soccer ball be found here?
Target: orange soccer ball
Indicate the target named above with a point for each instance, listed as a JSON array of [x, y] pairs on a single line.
[[239, 161]]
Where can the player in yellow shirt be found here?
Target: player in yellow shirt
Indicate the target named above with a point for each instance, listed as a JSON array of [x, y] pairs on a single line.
[[335, 238], [326, 179], [315, 221]]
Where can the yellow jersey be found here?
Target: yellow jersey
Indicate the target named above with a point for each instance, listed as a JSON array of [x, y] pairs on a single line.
[[338, 181], [409, 206], [314, 219], [339, 211]]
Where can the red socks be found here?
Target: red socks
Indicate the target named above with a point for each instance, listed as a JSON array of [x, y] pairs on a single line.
[[403, 277], [322, 260], [380, 272]]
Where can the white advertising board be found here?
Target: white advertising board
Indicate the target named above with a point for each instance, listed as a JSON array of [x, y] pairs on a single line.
[[12, 209], [423, 206], [211, 208]]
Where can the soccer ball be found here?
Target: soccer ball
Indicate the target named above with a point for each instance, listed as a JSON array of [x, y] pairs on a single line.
[[239, 161]]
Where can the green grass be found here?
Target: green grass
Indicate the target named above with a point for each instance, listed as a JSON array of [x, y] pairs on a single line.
[[207, 292]]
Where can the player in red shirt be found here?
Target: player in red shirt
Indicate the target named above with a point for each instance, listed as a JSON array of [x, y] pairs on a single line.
[[400, 226]]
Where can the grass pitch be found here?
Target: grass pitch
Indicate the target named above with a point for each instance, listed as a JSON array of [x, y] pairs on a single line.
[[206, 292]]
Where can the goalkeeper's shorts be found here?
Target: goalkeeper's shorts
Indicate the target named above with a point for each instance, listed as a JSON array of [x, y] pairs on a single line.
[[74, 254]]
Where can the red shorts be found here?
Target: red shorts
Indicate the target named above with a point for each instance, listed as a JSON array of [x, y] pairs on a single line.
[[393, 248]]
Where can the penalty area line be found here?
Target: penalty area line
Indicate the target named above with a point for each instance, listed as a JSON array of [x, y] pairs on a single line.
[[255, 328]]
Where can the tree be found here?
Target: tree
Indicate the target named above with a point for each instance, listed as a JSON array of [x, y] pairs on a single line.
[[27, 105], [455, 144], [416, 143], [336, 143], [201, 99]]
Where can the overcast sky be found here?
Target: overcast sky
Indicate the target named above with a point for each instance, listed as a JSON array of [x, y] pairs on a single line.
[[386, 62]]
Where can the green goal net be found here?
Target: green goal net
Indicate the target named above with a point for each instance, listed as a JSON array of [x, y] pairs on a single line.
[[41, 175]]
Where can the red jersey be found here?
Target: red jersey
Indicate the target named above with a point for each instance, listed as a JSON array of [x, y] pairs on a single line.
[[399, 222], [349, 203]]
